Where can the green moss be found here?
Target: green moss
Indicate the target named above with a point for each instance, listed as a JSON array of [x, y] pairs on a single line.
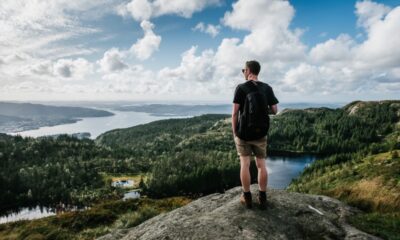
[[386, 226]]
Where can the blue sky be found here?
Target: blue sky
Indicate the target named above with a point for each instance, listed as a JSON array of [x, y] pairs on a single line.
[[316, 51]]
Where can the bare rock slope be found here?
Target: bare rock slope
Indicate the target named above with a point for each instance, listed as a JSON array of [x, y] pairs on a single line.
[[289, 215]]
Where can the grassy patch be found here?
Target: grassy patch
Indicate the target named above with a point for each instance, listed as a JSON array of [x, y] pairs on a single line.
[[108, 178], [386, 226], [371, 184], [94, 222]]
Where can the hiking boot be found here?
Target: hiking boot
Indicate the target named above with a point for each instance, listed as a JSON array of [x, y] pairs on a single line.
[[245, 199], [262, 200]]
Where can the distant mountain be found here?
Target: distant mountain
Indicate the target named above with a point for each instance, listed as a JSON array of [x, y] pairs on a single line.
[[176, 109], [25, 116], [7, 119], [39, 111], [196, 110]]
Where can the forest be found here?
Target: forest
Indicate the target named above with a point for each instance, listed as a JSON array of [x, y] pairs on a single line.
[[192, 156]]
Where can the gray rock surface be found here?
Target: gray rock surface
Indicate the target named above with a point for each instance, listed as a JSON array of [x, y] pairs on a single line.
[[289, 215]]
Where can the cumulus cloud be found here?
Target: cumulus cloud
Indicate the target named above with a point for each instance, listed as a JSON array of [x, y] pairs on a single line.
[[370, 13], [342, 64], [139, 9], [338, 50], [212, 30], [367, 64], [134, 80], [270, 36], [68, 68], [146, 9], [381, 47], [146, 46], [112, 61], [192, 67]]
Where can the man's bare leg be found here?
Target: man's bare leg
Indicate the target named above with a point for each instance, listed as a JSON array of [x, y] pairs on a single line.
[[245, 173], [262, 174]]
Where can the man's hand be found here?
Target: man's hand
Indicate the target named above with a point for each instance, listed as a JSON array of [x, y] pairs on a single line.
[[273, 109]]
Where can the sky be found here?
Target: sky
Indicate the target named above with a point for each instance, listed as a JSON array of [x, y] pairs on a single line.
[[186, 51]]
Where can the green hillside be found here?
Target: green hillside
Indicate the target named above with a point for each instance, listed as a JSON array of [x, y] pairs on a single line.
[[367, 177]]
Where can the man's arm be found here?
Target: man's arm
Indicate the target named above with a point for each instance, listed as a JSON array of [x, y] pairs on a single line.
[[273, 109], [235, 111]]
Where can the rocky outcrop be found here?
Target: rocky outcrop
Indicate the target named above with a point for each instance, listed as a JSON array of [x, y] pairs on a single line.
[[289, 215]]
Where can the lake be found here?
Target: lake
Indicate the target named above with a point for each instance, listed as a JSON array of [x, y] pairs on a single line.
[[281, 170]]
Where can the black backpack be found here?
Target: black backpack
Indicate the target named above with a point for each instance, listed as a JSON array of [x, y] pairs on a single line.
[[253, 122]]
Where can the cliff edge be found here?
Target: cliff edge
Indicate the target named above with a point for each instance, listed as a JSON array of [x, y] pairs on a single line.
[[289, 215]]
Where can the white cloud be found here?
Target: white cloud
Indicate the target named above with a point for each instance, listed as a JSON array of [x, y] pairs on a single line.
[[341, 65], [133, 80], [367, 64], [212, 30], [112, 61], [370, 12], [45, 67], [192, 68], [146, 46], [270, 36], [139, 9], [31, 26], [68, 68], [338, 50], [146, 9], [264, 14], [381, 47]]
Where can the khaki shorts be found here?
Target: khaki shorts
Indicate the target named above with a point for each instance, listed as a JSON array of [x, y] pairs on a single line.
[[256, 147]]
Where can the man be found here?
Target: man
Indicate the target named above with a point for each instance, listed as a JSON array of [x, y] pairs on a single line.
[[246, 148]]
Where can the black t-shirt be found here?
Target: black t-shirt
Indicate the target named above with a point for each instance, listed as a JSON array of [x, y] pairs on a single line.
[[240, 95]]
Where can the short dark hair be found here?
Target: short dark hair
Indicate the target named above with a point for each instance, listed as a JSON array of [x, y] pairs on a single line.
[[253, 66]]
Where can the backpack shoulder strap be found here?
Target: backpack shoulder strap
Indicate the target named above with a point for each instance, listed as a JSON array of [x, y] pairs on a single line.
[[248, 89]]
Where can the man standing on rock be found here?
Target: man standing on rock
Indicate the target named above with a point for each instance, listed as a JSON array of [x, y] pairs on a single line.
[[252, 102]]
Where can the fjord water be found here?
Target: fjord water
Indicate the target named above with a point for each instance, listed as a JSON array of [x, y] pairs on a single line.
[[96, 125], [124, 119]]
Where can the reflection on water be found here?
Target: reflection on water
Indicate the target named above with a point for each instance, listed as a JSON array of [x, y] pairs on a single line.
[[281, 170], [29, 213]]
